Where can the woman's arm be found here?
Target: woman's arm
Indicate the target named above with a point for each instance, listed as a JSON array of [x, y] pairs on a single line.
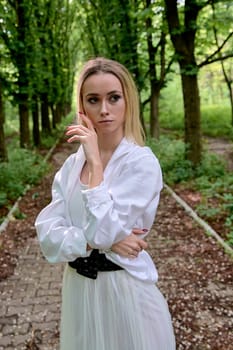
[[130, 246], [132, 198], [59, 239]]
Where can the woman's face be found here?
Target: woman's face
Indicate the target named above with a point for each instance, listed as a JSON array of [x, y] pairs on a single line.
[[104, 103]]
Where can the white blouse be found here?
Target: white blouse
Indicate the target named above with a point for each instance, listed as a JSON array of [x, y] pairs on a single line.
[[127, 198]]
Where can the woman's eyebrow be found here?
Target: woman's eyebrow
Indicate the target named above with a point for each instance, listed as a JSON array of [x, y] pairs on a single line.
[[109, 93], [115, 92], [92, 93]]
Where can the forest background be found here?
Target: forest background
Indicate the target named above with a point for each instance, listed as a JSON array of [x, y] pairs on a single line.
[[180, 54]]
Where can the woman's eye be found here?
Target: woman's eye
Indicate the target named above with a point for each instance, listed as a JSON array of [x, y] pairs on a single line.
[[115, 98], [92, 100]]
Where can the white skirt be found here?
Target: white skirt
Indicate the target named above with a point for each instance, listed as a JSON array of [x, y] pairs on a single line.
[[113, 312]]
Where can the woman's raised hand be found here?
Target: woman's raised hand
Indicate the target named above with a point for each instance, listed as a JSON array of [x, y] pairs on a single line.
[[86, 135]]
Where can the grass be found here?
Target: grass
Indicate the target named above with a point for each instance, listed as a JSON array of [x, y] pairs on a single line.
[[215, 110], [215, 121]]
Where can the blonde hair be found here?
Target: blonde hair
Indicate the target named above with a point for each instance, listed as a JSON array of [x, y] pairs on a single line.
[[133, 128]]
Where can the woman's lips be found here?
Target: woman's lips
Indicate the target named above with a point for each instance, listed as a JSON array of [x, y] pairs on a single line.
[[105, 121]]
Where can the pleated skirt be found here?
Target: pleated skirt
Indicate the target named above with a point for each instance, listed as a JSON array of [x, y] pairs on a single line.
[[114, 312]]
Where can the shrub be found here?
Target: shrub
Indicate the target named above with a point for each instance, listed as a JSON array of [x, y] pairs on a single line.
[[24, 168]]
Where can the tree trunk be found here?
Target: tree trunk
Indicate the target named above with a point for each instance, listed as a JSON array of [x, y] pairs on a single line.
[[45, 122], [183, 39], [3, 150], [156, 79], [24, 121], [67, 109], [192, 117], [23, 81], [229, 86], [231, 99], [56, 114], [142, 118], [35, 118], [154, 112]]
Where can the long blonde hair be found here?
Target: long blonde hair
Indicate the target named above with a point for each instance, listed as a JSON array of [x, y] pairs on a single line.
[[133, 128]]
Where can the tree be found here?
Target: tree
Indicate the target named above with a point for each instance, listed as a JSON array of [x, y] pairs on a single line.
[[111, 29], [54, 32], [183, 39], [15, 31], [157, 65], [3, 150], [182, 23], [38, 37], [228, 75], [125, 31]]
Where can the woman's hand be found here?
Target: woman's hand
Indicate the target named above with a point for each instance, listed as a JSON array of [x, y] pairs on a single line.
[[131, 246], [87, 136]]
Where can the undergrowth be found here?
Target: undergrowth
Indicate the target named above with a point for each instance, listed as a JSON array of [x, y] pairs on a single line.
[[211, 178], [23, 168]]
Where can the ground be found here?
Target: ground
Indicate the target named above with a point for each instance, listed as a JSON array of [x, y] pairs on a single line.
[[195, 274]]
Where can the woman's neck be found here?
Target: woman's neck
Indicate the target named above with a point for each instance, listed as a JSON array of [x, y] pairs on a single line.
[[108, 144]]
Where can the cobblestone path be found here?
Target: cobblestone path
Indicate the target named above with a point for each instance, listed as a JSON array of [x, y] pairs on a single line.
[[30, 303]]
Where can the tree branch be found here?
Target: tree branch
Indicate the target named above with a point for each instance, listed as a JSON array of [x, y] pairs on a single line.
[[210, 59], [222, 58]]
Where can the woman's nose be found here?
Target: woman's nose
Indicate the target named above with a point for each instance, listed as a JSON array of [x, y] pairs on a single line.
[[104, 108]]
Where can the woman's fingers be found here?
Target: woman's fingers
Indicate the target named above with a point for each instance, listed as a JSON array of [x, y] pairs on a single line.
[[130, 247], [78, 133], [74, 128], [143, 244], [139, 231], [86, 120]]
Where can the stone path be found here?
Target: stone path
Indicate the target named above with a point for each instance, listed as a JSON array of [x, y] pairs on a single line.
[[30, 303], [30, 300]]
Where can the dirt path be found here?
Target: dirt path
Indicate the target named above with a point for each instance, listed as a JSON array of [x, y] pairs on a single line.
[[222, 147], [195, 275]]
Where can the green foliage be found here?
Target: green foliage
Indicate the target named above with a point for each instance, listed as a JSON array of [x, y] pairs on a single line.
[[19, 215], [48, 141], [204, 210], [171, 156], [3, 199], [216, 121], [38, 56], [228, 205], [212, 166], [211, 178], [24, 168], [170, 153]]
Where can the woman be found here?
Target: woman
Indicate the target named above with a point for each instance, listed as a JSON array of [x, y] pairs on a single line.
[[104, 200]]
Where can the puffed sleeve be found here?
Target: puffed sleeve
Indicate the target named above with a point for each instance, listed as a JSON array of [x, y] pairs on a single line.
[[59, 239], [112, 211]]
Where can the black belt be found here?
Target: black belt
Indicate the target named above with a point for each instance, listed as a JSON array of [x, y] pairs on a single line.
[[89, 266]]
